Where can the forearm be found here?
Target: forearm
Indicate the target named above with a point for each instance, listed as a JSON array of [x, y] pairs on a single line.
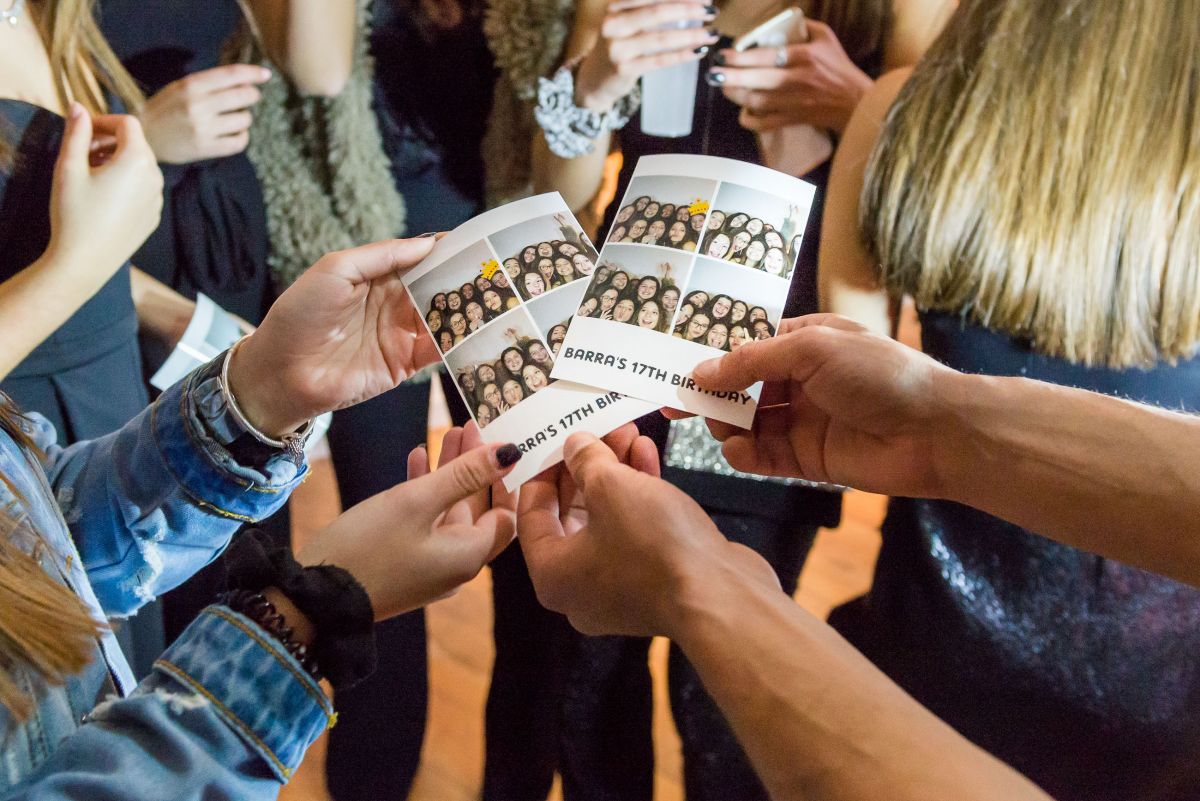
[[226, 713], [1105, 475], [36, 302], [577, 179], [311, 41], [161, 311], [817, 720]]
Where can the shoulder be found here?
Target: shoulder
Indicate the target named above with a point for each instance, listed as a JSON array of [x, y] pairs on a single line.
[[915, 25], [867, 120]]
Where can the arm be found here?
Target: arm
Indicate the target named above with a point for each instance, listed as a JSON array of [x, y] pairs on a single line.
[[847, 275], [35, 302], [161, 311], [818, 721], [618, 42], [633, 555], [98, 215], [310, 41], [844, 405]]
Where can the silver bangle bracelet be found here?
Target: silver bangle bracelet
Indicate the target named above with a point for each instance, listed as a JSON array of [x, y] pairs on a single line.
[[571, 130], [292, 444]]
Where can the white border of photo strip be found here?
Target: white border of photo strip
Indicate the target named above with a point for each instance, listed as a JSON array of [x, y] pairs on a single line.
[[657, 367], [540, 424]]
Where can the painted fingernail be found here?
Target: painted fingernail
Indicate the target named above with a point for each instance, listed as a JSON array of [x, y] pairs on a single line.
[[713, 32], [710, 10], [713, 78], [701, 50], [719, 59], [427, 234], [508, 455]]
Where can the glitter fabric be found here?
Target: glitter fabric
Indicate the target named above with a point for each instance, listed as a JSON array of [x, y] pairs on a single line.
[[1082, 673], [691, 447]]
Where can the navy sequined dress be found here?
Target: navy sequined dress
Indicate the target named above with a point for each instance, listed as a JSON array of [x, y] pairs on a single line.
[[1080, 672]]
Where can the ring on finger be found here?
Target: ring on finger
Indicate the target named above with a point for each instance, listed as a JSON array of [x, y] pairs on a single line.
[[781, 57]]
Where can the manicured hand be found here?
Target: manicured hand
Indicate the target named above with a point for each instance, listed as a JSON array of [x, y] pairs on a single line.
[[640, 36], [422, 540], [817, 84]]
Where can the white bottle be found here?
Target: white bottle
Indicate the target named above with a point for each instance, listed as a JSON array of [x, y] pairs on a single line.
[[669, 96]]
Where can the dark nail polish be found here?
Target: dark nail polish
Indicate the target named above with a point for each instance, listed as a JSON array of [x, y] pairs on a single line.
[[508, 455], [713, 32], [710, 10], [714, 78], [719, 59], [701, 50]]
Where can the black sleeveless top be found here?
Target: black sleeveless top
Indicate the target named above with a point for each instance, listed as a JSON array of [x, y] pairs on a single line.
[[433, 119], [86, 377], [213, 234], [1081, 673], [716, 132]]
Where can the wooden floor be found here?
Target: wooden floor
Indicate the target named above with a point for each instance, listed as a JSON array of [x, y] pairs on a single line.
[[460, 653]]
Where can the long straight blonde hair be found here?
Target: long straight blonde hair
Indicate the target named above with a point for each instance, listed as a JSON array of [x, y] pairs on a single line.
[[83, 63], [1040, 172]]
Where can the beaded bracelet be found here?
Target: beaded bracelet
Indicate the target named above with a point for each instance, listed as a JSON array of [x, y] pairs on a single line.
[[255, 606], [571, 130]]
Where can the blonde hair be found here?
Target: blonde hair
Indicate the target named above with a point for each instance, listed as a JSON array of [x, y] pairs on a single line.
[[1039, 173], [44, 627], [81, 60]]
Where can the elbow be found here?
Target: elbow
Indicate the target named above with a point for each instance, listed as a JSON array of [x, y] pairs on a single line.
[[326, 83]]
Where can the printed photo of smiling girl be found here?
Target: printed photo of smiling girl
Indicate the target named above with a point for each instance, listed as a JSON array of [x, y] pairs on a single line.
[[754, 229], [666, 211], [724, 306], [462, 296], [635, 286], [500, 367], [544, 253]]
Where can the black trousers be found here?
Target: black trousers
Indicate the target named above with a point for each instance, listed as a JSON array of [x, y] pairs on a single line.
[[582, 706], [375, 749]]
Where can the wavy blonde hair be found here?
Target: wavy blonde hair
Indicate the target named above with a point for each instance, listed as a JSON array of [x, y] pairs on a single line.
[[1039, 172], [82, 61]]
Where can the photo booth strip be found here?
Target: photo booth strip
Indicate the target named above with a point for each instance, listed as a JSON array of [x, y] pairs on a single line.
[[656, 366], [540, 424]]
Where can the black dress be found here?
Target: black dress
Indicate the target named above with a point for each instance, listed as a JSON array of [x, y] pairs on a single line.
[[213, 234], [1080, 672], [434, 146], [582, 705], [86, 377]]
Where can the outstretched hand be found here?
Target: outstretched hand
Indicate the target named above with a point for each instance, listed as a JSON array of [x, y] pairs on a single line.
[[613, 546], [840, 404], [345, 332], [420, 541]]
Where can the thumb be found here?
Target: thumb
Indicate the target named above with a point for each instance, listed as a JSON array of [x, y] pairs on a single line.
[[585, 457], [818, 31], [73, 155], [472, 472]]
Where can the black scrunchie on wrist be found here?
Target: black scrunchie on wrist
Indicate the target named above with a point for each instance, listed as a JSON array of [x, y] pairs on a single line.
[[337, 605]]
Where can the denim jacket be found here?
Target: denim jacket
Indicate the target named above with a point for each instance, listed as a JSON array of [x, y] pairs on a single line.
[[227, 713]]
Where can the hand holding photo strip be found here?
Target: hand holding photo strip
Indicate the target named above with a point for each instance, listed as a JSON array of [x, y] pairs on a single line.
[[659, 303], [497, 294]]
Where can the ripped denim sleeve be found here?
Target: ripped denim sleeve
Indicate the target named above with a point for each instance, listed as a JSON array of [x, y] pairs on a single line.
[[226, 713], [154, 502]]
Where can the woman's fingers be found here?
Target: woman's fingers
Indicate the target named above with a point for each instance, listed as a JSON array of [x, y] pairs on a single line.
[[418, 462], [653, 17], [235, 98], [235, 122]]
